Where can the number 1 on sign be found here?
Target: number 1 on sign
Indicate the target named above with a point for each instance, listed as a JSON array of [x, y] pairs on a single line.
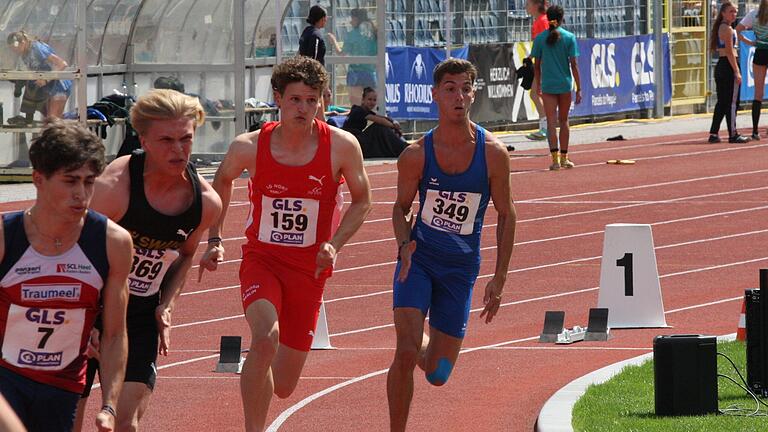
[[626, 262]]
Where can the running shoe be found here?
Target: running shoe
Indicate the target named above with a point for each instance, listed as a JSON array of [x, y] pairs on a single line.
[[738, 139], [755, 137], [714, 139], [536, 136], [555, 166], [566, 163]]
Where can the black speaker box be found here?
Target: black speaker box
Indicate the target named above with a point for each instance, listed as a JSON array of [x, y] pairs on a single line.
[[685, 374], [755, 355]]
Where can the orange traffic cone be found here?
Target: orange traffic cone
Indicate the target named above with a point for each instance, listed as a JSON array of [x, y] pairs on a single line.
[[741, 331]]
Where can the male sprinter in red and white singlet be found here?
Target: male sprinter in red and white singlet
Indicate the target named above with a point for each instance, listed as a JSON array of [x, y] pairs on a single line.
[[60, 266], [295, 167]]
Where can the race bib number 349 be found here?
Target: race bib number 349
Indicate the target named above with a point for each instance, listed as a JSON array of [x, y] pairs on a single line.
[[452, 212], [288, 221]]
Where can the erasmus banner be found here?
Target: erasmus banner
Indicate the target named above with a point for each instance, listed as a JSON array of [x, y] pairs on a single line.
[[496, 82], [617, 74]]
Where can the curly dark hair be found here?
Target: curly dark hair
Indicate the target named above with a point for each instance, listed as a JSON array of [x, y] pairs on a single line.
[[454, 66], [299, 69], [66, 145]]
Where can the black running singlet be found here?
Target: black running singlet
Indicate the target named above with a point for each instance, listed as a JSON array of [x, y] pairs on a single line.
[[156, 236]]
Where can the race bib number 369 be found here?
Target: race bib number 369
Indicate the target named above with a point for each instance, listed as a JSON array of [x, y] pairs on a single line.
[[452, 212], [288, 221], [42, 339]]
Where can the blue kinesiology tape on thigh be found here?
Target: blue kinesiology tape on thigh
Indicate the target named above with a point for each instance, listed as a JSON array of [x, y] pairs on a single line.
[[441, 373]]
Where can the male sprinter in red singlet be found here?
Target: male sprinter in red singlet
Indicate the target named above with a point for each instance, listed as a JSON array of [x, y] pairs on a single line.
[[61, 264], [456, 168], [160, 199], [295, 166]]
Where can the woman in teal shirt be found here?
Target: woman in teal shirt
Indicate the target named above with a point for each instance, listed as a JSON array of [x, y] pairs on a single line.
[[555, 51], [359, 41]]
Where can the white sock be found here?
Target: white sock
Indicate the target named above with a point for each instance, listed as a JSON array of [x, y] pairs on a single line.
[[543, 123]]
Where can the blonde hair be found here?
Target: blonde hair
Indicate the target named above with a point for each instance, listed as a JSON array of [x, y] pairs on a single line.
[[164, 104]]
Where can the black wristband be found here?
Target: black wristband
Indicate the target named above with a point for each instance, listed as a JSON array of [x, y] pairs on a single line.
[[109, 410], [214, 240]]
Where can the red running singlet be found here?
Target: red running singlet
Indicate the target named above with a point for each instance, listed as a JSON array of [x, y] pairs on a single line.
[[293, 208]]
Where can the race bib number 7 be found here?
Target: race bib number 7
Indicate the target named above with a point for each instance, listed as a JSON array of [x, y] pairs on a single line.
[[452, 212], [42, 339], [288, 221]]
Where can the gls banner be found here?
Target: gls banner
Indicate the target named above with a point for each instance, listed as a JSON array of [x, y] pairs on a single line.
[[617, 74], [746, 54]]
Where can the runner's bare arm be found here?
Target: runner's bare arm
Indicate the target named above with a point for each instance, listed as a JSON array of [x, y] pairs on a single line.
[[409, 171], [240, 156], [112, 190], [347, 151], [114, 340], [499, 178], [9, 421], [174, 280]]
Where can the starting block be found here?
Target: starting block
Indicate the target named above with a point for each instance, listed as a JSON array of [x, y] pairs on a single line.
[[553, 326], [597, 327], [229, 355], [569, 336]]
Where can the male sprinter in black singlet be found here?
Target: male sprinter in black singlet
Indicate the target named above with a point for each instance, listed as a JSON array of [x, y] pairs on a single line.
[[166, 206]]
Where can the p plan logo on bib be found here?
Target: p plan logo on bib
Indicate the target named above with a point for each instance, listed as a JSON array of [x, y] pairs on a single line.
[[287, 238], [446, 225], [40, 359]]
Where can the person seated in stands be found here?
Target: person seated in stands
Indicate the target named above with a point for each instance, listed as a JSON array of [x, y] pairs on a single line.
[[38, 56], [379, 136], [329, 108]]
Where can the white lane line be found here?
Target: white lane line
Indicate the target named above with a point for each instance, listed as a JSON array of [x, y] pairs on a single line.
[[557, 216], [192, 360], [707, 304], [285, 415], [205, 291], [194, 323], [652, 185], [357, 296], [529, 242], [532, 200], [570, 348], [567, 293]]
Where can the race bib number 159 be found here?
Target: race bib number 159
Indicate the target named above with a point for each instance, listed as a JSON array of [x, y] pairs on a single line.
[[288, 221], [452, 212]]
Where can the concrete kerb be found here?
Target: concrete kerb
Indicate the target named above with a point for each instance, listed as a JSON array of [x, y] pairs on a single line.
[[557, 413]]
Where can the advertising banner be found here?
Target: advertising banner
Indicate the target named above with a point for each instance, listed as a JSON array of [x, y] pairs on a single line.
[[617, 74], [746, 54], [496, 81], [409, 82]]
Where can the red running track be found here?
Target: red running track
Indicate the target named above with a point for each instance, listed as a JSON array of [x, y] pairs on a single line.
[[708, 205]]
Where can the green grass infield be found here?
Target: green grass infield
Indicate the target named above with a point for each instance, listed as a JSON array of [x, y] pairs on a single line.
[[626, 402]]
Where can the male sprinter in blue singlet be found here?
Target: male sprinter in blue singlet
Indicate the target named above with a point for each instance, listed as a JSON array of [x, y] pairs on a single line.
[[456, 168]]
